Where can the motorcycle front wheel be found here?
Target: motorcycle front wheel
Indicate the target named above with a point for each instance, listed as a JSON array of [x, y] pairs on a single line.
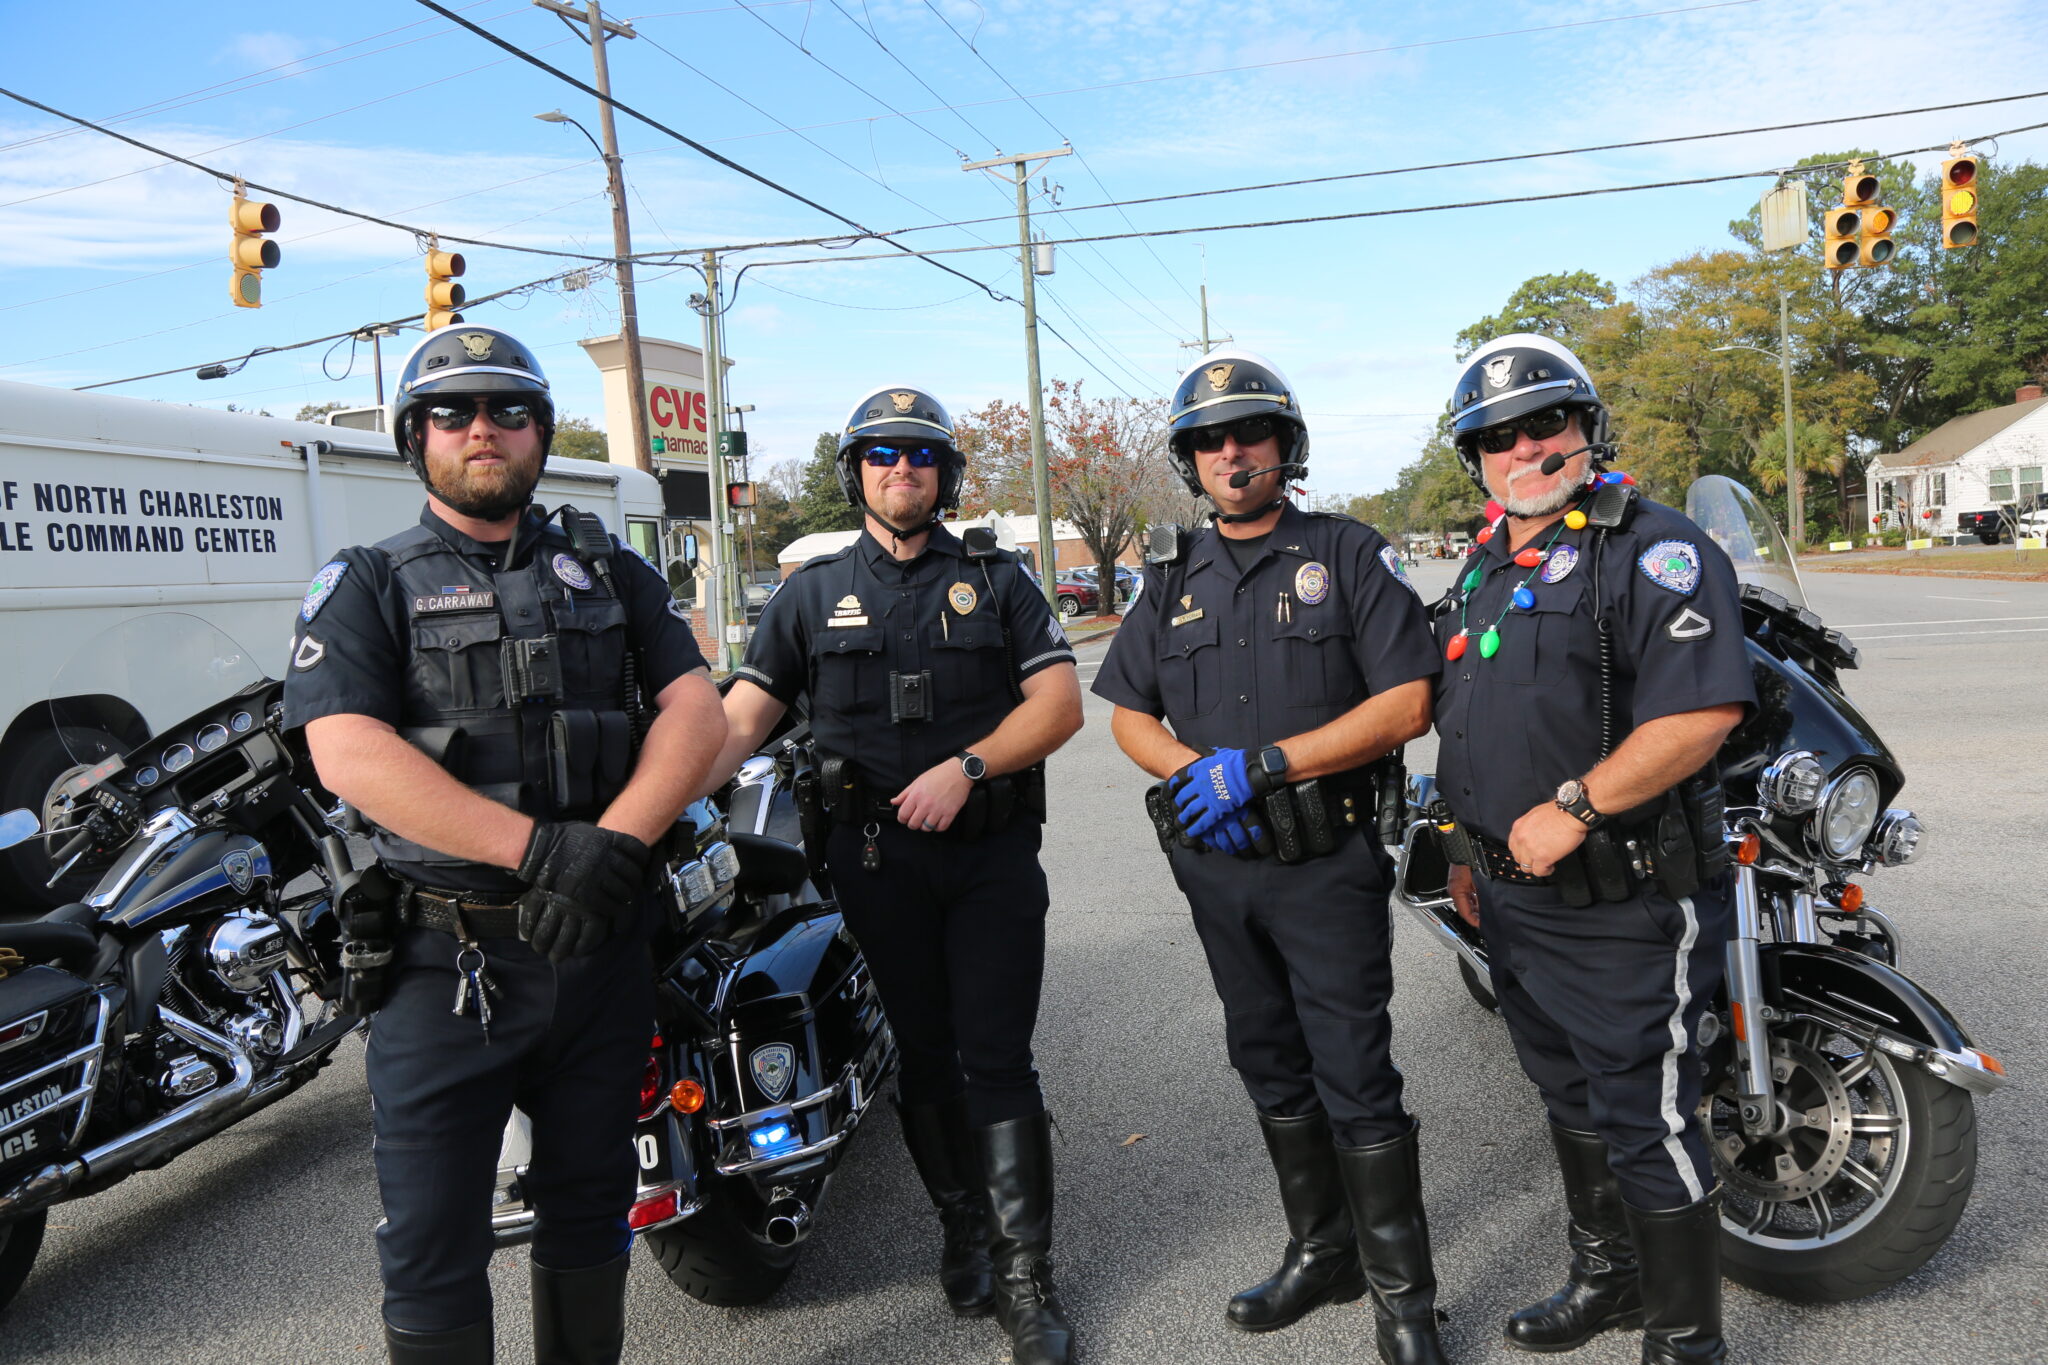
[[721, 1255], [20, 1240], [1868, 1178]]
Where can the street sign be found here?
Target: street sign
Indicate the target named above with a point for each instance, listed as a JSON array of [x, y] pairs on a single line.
[[1784, 215]]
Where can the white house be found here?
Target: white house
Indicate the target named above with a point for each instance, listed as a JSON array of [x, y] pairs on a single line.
[[1967, 464]]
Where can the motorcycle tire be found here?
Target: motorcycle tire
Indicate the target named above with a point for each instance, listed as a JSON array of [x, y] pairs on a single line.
[[20, 1240], [715, 1257], [26, 779], [1924, 1209], [1477, 989]]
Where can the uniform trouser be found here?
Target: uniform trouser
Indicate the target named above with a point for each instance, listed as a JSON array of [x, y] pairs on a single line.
[[569, 1046], [954, 932], [1604, 1003], [1298, 953]]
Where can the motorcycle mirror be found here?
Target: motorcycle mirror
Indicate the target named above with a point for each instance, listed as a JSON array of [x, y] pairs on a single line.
[[18, 826]]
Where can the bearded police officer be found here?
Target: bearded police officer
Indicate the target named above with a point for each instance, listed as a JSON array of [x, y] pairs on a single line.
[[1289, 654], [513, 705], [938, 682], [1594, 663]]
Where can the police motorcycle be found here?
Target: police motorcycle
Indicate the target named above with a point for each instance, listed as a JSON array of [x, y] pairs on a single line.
[[199, 980], [1839, 1097], [770, 1044]]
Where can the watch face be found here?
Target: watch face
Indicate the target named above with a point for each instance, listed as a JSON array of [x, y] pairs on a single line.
[[1570, 792]]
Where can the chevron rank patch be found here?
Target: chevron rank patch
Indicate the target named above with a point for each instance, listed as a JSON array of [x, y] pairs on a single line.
[[1672, 564], [1688, 625]]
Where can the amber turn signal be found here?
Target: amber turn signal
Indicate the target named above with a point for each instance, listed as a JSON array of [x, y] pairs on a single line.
[[1748, 849], [687, 1097]]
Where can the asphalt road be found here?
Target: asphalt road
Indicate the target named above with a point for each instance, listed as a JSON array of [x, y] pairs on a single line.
[[257, 1248]]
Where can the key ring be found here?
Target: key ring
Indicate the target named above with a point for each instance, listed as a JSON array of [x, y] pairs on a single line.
[[464, 965]]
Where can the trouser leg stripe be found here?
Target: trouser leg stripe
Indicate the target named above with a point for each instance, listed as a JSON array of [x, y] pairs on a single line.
[[1681, 990]]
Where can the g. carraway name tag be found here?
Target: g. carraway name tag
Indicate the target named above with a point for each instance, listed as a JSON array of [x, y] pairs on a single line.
[[455, 601]]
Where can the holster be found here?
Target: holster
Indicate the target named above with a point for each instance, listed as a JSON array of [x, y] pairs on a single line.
[[812, 821], [369, 924], [1390, 792]]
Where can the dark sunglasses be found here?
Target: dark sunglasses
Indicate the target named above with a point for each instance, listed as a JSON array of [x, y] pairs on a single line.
[[1248, 431], [508, 414], [1540, 425], [920, 456]]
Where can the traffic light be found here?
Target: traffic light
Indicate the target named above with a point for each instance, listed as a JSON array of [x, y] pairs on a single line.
[[1958, 201], [1840, 248], [251, 253], [444, 295], [1875, 239]]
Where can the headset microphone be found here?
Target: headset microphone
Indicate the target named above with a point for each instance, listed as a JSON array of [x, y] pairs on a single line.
[[1552, 463], [1244, 476]]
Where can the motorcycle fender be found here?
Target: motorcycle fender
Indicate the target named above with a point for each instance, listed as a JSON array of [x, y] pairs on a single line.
[[1911, 1024]]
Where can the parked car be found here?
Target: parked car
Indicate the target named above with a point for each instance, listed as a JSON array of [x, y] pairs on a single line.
[[1077, 596], [2028, 517], [757, 598], [1126, 579]]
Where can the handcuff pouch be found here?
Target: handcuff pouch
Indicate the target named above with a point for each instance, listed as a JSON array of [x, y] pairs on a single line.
[[590, 754], [1318, 829], [1283, 822]]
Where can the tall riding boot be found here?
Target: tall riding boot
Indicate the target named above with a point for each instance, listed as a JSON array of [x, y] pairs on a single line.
[[1602, 1291], [469, 1345], [1016, 1165], [943, 1152], [1384, 1182], [1320, 1264], [1679, 1251], [579, 1316]]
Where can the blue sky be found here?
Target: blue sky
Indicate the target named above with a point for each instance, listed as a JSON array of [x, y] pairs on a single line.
[[108, 268]]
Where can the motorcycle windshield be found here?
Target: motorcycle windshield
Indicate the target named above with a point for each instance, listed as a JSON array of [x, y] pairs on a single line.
[[165, 667], [1738, 523]]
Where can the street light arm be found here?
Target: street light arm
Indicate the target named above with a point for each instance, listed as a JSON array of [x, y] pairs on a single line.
[[1745, 346], [557, 116]]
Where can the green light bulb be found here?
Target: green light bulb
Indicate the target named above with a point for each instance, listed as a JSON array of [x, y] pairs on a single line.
[[1473, 580], [1489, 644]]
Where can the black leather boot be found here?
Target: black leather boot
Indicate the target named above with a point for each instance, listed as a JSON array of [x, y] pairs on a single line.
[[1016, 1166], [1384, 1182], [1320, 1264], [1602, 1291], [579, 1316], [1679, 1254], [469, 1345], [943, 1152]]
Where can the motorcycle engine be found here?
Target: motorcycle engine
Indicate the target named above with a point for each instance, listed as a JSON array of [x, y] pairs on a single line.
[[243, 948]]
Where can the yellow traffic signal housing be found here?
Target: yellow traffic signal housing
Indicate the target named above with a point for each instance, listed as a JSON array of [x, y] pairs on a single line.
[[1859, 188], [1958, 202], [250, 252], [1840, 247], [1875, 237], [444, 295]]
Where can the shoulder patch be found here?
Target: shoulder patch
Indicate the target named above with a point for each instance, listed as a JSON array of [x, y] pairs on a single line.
[[1688, 625], [309, 653], [1673, 565], [1392, 559], [321, 588]]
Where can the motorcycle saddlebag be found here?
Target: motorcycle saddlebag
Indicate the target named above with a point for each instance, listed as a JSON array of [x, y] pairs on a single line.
[[46, 1027]]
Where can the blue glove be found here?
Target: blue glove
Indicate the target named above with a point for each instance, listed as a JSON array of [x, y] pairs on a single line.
[[1231, 836], [1216, 787]]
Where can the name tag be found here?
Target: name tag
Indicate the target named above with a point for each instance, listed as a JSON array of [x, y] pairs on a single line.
[[847, 621], [1188, 616], [455, 601]]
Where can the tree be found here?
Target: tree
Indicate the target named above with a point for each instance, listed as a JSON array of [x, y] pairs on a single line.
[[819, 504], [1556, 306], [579, 439], [313, 412]]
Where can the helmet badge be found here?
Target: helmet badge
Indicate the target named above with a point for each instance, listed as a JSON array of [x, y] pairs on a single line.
[[1499, 370], [1219, 375], [477, 345], [903, 401]]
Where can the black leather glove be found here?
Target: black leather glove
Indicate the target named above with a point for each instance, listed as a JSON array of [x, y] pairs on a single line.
[[586, 880]]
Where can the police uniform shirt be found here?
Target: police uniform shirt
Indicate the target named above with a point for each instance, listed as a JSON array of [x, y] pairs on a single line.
[[1516, 726], [845, 622], [353, 647], [1322, 619]]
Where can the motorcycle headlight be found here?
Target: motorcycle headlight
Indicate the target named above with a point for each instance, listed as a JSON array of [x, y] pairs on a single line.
[[1848, 813], [1897, 838], [1793, 782]]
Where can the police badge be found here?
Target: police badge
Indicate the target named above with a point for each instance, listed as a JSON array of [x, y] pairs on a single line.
[[1311, 583], [1562, 561], [571, 571], [961, 597]]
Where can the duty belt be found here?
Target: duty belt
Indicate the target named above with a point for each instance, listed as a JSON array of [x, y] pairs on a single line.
[[1302, 820], [457, 912], [993, 806], [1492, 859]]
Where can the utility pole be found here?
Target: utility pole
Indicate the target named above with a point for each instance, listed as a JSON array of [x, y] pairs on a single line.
[[622, 236], [1041, 478], [714, 409]]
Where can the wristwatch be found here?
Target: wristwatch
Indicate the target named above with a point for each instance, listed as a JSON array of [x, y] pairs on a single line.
[[1268, 768], [1573, 801], [972, 765]]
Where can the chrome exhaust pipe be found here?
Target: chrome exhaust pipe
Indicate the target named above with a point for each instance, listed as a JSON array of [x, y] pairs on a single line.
[[789, 1222]]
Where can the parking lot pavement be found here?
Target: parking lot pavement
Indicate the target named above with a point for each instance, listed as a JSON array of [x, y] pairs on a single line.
[[257, 1247]]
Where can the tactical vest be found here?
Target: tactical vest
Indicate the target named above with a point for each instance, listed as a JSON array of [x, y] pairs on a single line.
[[515, 682]]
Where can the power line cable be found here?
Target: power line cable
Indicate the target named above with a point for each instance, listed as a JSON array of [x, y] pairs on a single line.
[[820, 61], [876, 39]]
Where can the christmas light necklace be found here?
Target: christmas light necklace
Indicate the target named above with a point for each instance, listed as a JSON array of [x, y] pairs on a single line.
[[1532, 559]]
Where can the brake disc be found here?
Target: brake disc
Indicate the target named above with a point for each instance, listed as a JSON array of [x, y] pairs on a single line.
[[1807, 1153]]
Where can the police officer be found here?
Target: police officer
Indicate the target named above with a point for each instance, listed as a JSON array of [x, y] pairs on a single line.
[[474, 687], [1288, 652], [938, 683], [1594, 664]]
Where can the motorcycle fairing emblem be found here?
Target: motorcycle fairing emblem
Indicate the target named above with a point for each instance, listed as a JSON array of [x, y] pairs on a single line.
[[903, 401], [1672, 564], [1218, 376], [1499, 370], [774, 1067], [476, 345], [239, 869]]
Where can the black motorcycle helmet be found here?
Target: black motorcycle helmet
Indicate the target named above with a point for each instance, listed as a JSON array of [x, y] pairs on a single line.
[[1222, 387], [1513, 376], [900, 412], [471, 361]]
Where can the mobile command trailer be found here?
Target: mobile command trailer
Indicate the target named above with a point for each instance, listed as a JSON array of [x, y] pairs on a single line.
[[111, 508]]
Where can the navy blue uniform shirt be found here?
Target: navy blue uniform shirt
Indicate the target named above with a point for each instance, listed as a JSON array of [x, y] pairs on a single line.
[[1322, 619], [1514, 727], [844, 622]]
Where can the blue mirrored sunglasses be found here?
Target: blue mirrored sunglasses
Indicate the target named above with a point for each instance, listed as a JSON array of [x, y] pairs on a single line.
[[921, 456]]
